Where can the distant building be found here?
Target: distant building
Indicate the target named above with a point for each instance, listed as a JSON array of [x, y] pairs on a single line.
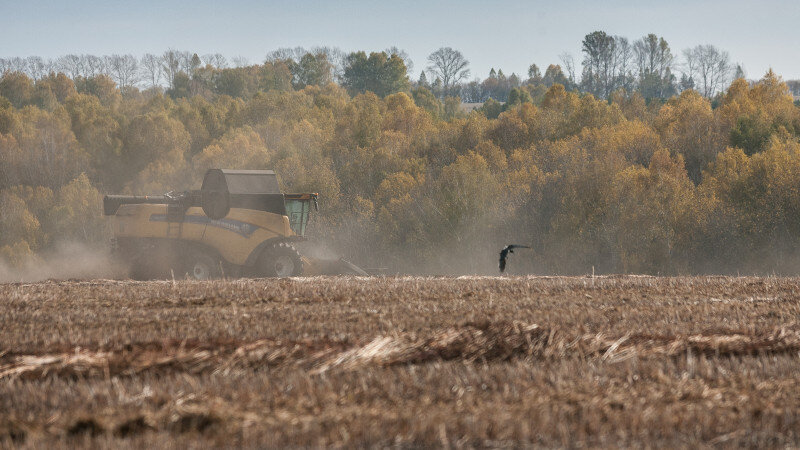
[[468, 107]]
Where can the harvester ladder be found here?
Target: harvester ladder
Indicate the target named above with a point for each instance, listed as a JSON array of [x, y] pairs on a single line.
[[175, 215], [174, 229]]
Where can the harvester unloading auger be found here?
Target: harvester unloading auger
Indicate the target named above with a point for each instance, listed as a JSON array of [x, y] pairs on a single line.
[[238, 224]]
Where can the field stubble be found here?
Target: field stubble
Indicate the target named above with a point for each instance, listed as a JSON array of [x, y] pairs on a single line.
[[470, 361]]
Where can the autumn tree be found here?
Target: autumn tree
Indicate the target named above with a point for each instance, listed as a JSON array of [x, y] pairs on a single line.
[[75, 215], [655, 206], [275, 75], [554, 75], [17, 88], [240, 148], [41, 150], [754, 114], [100, 86], [688, 126], [154, 138], [98, 134], [425, 99], [611, 181]]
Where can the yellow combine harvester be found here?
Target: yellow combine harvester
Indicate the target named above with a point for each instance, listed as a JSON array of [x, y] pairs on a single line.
[[238, 224]]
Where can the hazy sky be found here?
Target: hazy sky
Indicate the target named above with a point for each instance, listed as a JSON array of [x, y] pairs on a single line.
[[502, 34]]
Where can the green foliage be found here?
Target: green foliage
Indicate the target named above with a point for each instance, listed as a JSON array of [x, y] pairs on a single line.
[[491, 108], [554, 75], [751, 133], [517, 96], [275, 75], [233, 82], [313, 69], [379, 73], [181, 86], [425, 99]]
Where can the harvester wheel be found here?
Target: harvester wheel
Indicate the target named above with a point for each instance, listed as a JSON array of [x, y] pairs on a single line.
[[201, 266], [280, 260]]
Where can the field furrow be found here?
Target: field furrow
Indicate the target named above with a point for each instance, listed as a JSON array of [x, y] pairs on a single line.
[[469, 361]]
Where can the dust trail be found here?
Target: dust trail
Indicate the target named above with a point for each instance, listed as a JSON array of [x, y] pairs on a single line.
[[68, 260]]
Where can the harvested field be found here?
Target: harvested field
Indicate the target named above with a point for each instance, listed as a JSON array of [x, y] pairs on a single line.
[[406, 361]]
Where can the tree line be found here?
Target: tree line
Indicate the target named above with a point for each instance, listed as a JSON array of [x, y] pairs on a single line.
[[647, 65], [411, 181]]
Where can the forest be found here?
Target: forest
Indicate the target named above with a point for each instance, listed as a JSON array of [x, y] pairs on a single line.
[[627, 168]]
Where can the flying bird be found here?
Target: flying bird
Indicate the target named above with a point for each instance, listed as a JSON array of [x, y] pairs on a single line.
[[504, 254]]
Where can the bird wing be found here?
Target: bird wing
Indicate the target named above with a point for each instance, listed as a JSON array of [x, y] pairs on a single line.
[[504, 253]]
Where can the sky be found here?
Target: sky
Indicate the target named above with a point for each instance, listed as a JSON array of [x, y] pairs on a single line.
[[507, 35]]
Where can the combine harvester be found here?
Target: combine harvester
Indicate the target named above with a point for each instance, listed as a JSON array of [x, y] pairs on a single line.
[[238, 224]]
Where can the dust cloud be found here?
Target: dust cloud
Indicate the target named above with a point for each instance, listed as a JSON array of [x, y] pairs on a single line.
[[469, 248], [68, 260]]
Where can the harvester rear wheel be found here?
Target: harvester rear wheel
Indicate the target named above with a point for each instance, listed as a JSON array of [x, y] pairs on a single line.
[[201, 266], [280, 260]]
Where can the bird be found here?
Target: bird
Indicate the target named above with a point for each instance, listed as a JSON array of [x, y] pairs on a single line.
[[504, 254]]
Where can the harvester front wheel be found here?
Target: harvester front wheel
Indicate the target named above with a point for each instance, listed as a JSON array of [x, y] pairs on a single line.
[[201, 266], [281, 260]]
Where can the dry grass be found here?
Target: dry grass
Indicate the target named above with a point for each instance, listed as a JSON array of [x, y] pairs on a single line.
[[470, 362]]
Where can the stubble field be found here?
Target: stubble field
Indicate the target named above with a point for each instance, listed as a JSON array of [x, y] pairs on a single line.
[[401, 361]]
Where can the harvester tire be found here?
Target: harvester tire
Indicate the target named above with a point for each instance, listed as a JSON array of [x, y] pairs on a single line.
[[280, 260], [200, 265]]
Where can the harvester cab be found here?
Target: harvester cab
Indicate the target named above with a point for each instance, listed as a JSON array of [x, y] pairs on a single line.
[[238, 223]]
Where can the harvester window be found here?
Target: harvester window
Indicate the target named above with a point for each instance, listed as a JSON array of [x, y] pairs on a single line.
[[298, 210]]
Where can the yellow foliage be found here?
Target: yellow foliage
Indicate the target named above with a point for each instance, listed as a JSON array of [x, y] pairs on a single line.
[[395, 185], [404, 116], [77, 214], [655, 214], [620, 185], [17, 222], [636, 141], [16, 254], [688, 126], [240, 148]]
